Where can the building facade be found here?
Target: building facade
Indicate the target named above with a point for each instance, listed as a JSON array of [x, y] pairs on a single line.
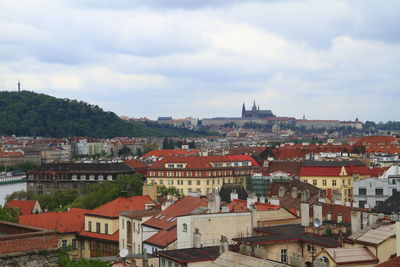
[[47, 178], [202, 174]]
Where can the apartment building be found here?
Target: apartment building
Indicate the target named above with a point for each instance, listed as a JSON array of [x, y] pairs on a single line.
[[202, 174]]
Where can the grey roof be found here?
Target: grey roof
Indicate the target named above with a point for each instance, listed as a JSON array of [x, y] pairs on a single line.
[[84, 167], [375, 234], [191, 254], [390, 205], [227, 188], [335, 163], [232, 259], [274, 234]]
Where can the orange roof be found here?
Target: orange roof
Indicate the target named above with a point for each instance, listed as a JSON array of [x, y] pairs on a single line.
[[167, 218], [113, 208], [241, 205], [393, 262], [163, 238], [171, 152], [11, 154], [113, 237], [63, 222], [203, 162], [135, 164], [25, 206]]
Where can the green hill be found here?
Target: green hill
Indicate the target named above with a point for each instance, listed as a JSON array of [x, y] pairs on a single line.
[[31, 114]]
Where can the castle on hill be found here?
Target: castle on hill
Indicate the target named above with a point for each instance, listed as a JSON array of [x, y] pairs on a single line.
[[255, 112]]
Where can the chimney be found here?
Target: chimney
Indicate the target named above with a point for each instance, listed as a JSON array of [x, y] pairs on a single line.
[[214, 203], [145, 260], [262, 199], [281, 191], [223, 245], [339, 218], [251, 200], [317, 212], [398, 239], [274, 201], [355, 221], [305, 214], [234, 195], [260, 252], [294, 192], [329, 216], [196, 238]]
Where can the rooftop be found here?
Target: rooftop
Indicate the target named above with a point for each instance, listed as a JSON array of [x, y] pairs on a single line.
[[25, 206], [351, 255], [187, 255], [375, 234]]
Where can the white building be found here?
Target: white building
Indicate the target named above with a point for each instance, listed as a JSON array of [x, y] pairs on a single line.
[[369, 192]]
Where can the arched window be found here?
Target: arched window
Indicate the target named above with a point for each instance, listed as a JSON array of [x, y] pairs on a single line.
[[184, 227]]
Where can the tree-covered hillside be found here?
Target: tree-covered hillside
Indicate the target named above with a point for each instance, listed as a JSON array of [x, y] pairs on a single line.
[[31, 114]]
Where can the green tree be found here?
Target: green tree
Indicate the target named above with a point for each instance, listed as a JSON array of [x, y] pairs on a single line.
[[9, 214], [125, 151], [65, 261], [165, 191], [20, 195]]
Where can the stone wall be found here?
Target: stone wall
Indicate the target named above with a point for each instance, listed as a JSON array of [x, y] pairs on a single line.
[[42, 258]]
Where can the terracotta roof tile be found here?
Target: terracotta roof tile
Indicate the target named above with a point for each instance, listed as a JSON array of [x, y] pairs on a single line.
[[25, 206], [113, 208], [114, 237], [63, 222], [171, 152], [163, 238], [394, 262]]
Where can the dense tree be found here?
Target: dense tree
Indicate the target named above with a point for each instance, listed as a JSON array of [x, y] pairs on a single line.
[[101, 193], [20, 195], [65, 261], [165, 191], [125, 151], [30, 114], [9, 214], [57, 201]]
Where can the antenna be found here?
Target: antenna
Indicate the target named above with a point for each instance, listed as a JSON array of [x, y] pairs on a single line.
[[317, 223], [19, 86], [123, 253]]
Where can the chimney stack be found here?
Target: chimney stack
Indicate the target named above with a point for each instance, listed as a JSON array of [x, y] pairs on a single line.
[[281, 192], [196, 238], [317, 212], [355, 221], [262, 199], [305, 214], [294, 192], [223, 245], [251, 200], [234, 195], [214, 203]]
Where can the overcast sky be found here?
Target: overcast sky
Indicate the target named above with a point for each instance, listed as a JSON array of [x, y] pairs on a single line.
[[204, 58]]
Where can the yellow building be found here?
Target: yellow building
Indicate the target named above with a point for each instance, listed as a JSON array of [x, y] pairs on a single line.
[[334, 179], [101, 232], [203, 174]]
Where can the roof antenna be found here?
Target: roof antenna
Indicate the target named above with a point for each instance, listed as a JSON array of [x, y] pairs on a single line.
[[19, 86]]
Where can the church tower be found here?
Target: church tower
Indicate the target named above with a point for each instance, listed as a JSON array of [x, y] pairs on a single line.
[[254, 108], [243, 110]]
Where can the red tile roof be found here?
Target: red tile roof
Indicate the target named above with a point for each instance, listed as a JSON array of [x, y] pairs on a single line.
[[63, 222], [184, 206], [241, 205], [171, 152], [394, 262], [113, 208], [335, 209], [333, 170], [114, 237], [11, 154], [25, 206], [163, 238], [204, 162], [135, 164]]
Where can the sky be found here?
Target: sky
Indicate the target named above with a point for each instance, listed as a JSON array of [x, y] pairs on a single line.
[[326, 59]]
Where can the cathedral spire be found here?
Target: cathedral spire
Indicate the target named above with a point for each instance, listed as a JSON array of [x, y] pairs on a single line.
[[254, 108]]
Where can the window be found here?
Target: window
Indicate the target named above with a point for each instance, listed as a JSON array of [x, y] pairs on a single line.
[[284, 256], [83, 244], [189, 182], [161, 181], [184, 227], [89, 226], [362, 191], [198, 182], [153, 174], [74, 244], [97, 227], [377, 203], [170, 165], [100, 177], [64, 243], [160, 173], [314, 182], [379, 191], [361, 203], [394, 190], [333, 182], [106, 228], [324, 182]]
